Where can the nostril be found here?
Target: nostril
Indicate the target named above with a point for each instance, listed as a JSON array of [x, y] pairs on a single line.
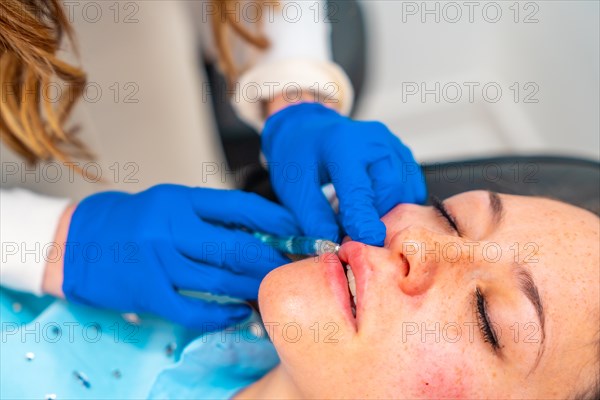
[[405, 265]]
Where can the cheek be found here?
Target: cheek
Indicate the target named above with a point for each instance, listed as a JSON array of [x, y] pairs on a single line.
[[435, 360], [440, 377], [423, 371]]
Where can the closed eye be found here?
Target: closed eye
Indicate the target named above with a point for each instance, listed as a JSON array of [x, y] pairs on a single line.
[[483, 320], [443, 212]]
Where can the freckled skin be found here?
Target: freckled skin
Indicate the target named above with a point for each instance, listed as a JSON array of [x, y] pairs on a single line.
[[440, 383], [419, 334]]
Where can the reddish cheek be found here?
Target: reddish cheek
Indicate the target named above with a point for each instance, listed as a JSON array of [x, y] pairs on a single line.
[[440, 382]]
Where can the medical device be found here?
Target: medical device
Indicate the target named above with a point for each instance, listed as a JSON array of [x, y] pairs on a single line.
[[298, 245]]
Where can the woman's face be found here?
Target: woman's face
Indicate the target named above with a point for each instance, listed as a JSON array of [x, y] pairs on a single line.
[[507, 306]]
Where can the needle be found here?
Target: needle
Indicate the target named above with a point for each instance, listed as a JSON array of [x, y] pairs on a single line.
[[298, 245]]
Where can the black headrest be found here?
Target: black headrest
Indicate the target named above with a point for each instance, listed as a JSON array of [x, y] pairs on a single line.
[[571, 180]]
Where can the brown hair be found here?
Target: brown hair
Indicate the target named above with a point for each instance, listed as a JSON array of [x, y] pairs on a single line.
[[31, 123], [31, 32], [224, 21]]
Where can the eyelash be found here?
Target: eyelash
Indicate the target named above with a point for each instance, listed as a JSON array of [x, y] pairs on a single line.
[[483, 321], [443, 212]]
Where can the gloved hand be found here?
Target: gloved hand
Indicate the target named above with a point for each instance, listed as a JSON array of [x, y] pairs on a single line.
[[308, 145], [131, 252]]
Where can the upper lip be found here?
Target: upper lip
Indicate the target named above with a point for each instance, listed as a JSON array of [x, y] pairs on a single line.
[[352, 253]]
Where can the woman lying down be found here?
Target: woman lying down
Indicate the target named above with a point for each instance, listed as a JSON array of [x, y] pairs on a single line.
[[482, 296]]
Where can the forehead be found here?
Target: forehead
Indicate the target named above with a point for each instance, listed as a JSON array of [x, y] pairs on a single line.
[[560, 246], [560, 230], [561, 240]]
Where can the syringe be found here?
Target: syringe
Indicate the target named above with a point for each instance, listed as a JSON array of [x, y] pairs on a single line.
[[298, 245]]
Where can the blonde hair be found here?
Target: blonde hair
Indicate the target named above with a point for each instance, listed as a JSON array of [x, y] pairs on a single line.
[[31, 123], [31, 32]]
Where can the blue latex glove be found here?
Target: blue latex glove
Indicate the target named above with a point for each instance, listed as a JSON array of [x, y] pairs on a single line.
[[308, 145], [131, 252]]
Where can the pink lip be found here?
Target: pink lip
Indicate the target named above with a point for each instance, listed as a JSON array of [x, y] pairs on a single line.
[[353, 253], [336, 277]]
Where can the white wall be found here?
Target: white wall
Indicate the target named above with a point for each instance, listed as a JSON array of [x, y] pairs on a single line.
[[556, 54]]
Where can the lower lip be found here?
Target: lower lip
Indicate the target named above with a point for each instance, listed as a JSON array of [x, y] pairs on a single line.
[[336, 276]]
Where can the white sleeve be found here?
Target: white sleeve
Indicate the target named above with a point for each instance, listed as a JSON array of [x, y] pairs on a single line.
[[28, 223], [299, 58]]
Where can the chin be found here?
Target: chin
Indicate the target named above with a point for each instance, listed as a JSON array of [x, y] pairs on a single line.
[[284, 293], [269, 291], [301, 294]]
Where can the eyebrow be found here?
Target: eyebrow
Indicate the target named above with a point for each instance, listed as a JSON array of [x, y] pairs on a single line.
[[530, 290], [497, 207], [526, 283]]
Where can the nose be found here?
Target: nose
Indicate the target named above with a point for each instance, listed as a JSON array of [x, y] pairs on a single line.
[[424, 255]]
